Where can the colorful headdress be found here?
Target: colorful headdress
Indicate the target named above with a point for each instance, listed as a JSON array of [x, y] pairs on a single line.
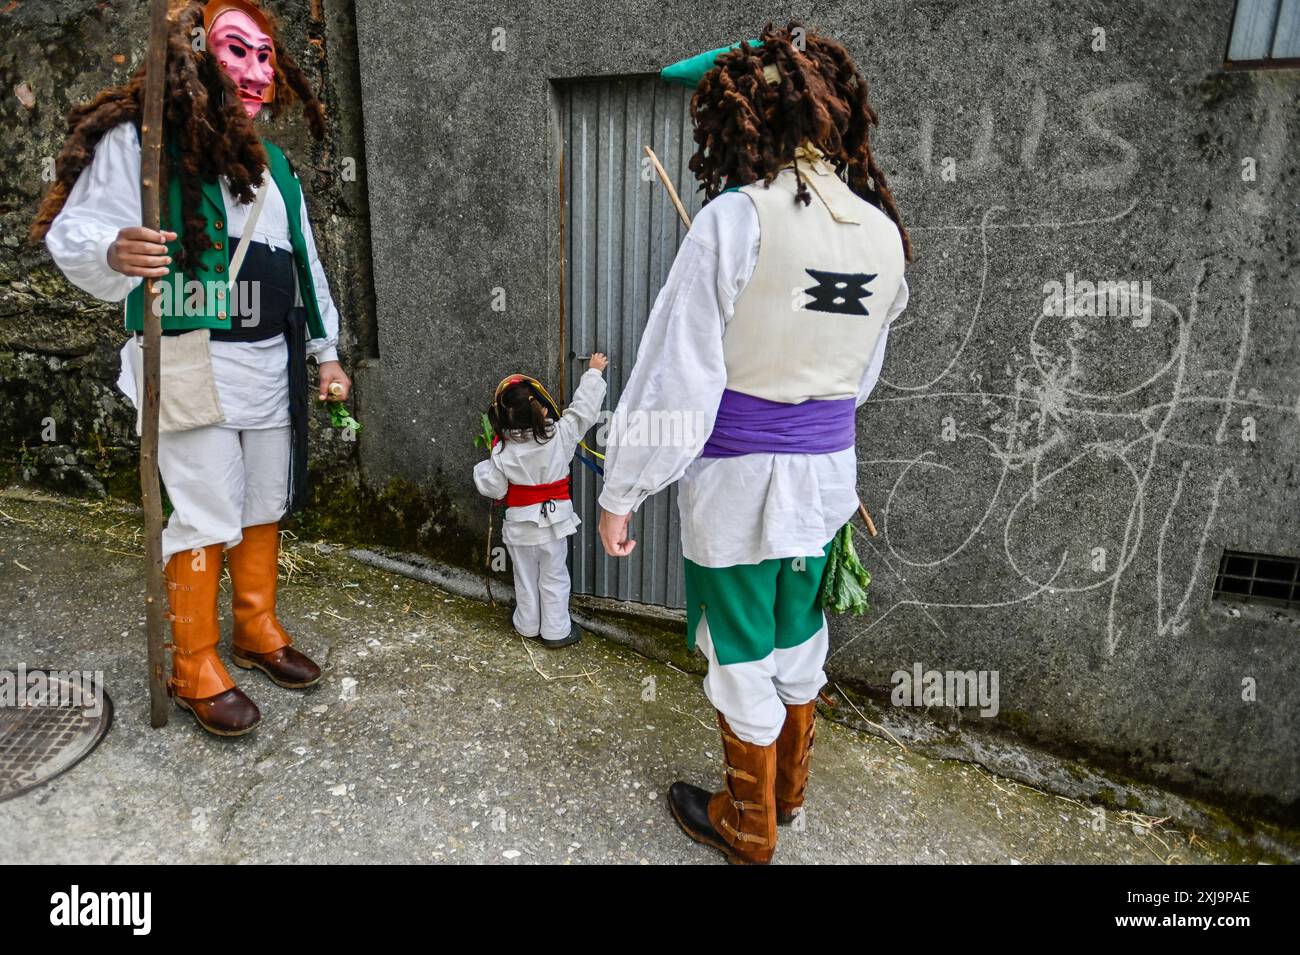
[[509, 381], [690, 71]]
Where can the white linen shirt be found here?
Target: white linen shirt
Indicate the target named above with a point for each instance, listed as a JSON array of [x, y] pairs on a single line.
[[529, 461], [736, 510], [251, 377]]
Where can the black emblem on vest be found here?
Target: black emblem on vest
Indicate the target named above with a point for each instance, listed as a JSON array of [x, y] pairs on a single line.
[[839, 292]]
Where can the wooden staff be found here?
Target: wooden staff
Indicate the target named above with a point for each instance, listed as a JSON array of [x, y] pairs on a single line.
[[151, 135], [871, 526], [672, 193], [681, 211], [487, 560]]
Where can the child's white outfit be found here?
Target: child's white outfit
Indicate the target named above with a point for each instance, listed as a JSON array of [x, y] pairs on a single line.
[[536, 535]]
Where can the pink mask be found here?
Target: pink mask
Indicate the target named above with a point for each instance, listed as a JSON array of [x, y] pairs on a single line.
[[245, 52]]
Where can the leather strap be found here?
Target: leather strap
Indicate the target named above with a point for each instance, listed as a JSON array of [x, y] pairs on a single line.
[[738, 836], [237, 260], [740, 774]]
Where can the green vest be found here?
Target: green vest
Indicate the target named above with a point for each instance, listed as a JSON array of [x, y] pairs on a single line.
[[202, 289]]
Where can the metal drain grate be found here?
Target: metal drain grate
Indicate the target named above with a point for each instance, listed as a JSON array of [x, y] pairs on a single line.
[[1258, 578], [42, 738]]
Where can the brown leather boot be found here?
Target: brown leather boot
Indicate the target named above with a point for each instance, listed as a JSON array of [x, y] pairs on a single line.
[[199, 680], [741, 819], [259, 640], [793, 748]]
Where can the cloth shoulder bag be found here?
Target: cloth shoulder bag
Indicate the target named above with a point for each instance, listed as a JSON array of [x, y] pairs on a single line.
[[187, 390]]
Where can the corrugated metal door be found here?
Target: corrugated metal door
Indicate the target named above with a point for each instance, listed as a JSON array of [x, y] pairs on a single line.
[[621, 235]]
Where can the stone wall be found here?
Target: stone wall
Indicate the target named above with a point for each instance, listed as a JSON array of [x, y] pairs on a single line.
[[65, 423]]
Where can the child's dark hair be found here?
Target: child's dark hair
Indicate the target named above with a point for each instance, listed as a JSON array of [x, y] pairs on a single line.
[[519, 409]]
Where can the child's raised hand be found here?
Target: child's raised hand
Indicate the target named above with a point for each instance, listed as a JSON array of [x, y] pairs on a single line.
[[599, 362]]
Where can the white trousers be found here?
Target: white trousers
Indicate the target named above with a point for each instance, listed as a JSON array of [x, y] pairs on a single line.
[[752, 695], [542, 588], [221, 480]]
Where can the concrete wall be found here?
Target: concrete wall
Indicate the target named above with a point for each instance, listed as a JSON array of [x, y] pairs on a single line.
[[1004, 451]]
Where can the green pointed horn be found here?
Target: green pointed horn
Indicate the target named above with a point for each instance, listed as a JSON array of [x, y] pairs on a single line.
[[690, 71]]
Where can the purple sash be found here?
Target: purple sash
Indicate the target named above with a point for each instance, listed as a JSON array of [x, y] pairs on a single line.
[[749, 425]]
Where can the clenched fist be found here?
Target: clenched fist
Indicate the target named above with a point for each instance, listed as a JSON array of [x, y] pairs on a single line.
[[613, 533]]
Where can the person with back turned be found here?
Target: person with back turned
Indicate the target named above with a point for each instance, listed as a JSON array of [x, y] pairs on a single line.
[[771, 328]]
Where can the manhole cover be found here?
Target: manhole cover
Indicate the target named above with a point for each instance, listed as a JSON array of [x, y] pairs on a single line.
[[49, 721]]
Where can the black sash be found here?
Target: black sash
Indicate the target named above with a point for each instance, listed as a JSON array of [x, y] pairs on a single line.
[[264, 293], [296, 337]]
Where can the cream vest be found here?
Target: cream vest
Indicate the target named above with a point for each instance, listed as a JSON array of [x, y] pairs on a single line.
[[827, 273]]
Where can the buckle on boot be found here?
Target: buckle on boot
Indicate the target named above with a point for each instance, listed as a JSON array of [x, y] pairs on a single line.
[[738, 836], [739, 774]]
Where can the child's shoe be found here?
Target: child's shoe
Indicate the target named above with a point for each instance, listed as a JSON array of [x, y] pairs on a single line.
[[574, 636]]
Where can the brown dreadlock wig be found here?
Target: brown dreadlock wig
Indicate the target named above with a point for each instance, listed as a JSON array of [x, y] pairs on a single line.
[[747, 128], [203, 119]]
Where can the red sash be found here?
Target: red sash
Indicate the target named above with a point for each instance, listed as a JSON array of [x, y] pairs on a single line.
[[522, 495]]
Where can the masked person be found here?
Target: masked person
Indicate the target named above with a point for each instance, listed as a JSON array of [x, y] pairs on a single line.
[[243, 301], [769, 332]]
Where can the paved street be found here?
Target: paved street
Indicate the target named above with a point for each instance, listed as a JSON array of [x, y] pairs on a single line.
[[437, 735]]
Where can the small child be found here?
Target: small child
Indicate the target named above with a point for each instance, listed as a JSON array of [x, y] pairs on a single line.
[[529, 468]]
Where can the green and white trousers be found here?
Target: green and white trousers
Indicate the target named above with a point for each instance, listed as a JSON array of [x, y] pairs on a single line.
[[762, 630]]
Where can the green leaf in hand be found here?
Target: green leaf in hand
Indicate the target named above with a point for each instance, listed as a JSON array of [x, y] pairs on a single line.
[[486, 436], [844, 586], [340, 417]]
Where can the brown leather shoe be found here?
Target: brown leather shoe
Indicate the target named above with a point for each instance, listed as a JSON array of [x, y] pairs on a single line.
[[200, 682], [690, 807], [793, 749], [259, 639], [739, 821], [227, 714], [286, 667]]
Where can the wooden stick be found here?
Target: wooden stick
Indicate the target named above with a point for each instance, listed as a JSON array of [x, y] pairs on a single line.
[[672, 193], [487, 561], [151, 137], [871, 527]]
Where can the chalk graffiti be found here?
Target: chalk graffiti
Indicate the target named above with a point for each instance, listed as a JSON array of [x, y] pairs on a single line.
[[1095, 141], [1087, 451]]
